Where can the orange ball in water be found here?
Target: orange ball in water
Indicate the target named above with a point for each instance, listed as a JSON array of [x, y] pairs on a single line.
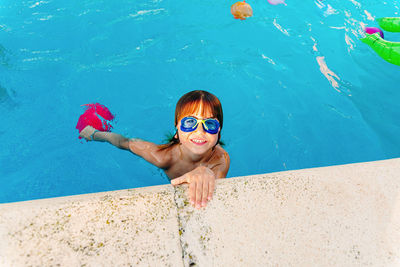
[[241, 10]]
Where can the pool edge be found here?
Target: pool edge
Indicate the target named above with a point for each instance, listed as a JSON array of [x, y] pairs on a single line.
[[335, 215]]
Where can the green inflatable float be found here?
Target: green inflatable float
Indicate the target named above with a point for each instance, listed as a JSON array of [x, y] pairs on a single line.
[[389, 51], [389, 24]]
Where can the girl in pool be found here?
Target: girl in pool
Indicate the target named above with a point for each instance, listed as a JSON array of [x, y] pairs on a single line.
[[193, 155]]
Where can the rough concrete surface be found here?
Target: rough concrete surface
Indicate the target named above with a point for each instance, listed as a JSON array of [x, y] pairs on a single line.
[[120, 228], [334, 216], [346, 215]]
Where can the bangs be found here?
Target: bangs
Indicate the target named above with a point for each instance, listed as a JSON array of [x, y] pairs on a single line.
[[203, 102], [205, 110]]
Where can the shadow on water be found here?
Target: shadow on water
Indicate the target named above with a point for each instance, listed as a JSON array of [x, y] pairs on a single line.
[[6, 99], [6, 102], [4, 96], [3, 57], [372, 103]]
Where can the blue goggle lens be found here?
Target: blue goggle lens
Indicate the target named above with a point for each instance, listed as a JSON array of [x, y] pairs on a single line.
[[189, 124]]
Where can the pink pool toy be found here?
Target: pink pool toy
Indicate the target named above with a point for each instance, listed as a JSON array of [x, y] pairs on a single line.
[[91, 117], [276, 2], [372, 30]]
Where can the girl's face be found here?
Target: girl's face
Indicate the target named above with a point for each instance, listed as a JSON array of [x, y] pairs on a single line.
[[199, 142]]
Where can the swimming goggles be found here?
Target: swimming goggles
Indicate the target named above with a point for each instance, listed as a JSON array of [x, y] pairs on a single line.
[[189, 124]]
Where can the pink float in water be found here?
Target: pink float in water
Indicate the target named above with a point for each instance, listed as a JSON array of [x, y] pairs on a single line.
[[276, 2], [372, 30], [91, 117]]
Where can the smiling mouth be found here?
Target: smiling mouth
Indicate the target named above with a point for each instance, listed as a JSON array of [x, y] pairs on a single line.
[[198, 141]]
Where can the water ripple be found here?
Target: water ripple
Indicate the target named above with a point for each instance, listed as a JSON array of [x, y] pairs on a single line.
[[36, 4], [142, 13]]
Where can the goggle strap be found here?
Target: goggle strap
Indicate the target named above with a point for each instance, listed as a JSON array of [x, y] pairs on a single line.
[[204, 124]]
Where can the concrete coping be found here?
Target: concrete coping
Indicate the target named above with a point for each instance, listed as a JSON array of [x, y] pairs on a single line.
[[343, 215]]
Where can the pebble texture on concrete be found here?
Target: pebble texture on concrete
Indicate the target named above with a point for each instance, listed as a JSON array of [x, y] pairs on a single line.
[[345, 215], [121, 228]]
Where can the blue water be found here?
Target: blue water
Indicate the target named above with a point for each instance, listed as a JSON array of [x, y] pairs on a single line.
[[298, 88]]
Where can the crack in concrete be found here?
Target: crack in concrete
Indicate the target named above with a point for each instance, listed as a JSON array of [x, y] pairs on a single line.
[[180, 228]]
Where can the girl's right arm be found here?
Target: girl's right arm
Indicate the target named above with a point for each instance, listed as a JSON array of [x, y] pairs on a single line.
[[91, 134], [147, 150]]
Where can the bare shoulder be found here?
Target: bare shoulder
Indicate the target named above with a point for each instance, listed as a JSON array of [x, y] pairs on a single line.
[[151, 152], [222, 154], [220, 162]]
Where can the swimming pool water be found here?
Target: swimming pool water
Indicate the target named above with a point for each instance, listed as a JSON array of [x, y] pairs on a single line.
[[297, 86]]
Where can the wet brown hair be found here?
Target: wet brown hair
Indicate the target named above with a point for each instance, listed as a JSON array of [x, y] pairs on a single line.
[[189, 103]]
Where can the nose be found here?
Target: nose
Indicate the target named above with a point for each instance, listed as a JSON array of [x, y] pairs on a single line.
[[200, 128]]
